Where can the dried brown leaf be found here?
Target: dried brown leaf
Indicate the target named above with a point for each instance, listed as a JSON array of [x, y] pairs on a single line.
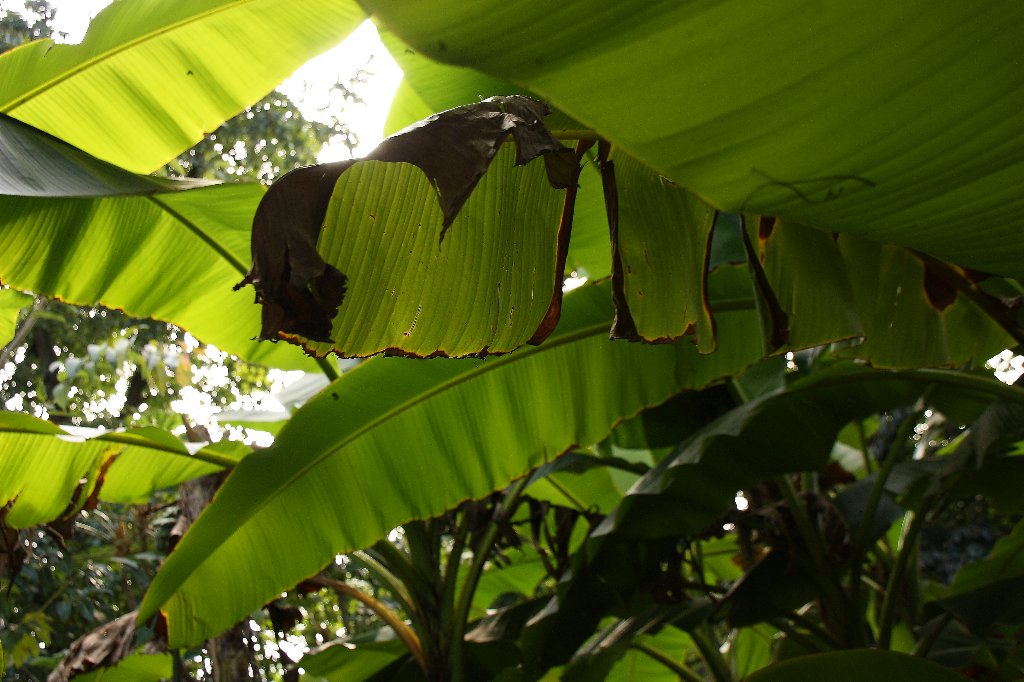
[[300, 293]]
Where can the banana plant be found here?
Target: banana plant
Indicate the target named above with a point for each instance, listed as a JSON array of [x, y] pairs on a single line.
[[713, 163]]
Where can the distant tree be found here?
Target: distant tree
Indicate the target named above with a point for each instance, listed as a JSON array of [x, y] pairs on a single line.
[[17, 28], [264, 140]]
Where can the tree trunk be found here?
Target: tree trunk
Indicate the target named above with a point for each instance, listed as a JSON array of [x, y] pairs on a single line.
[[230, 655]]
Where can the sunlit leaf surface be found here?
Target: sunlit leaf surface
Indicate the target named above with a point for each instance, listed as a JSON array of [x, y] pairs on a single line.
[[346, 457], [894, 121], [43, 469], [155, 77]]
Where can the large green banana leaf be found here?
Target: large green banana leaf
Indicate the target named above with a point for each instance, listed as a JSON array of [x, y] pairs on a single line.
[[380, 447], [856, 665], [896, 121], [151, 78], [172, 257], [805, 269], [82, 230], [428, 86], [46, 471], [35, 164]]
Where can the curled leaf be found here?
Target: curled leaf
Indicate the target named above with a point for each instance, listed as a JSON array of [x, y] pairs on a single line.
[[454, 148]]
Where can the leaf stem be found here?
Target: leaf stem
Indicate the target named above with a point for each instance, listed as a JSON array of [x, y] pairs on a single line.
[[808, 643], [681, 671], [576, 502], [387, 577], [932, 635], [913, 522], [481, 553], [869, 464], [831, 595], [417, 589], [814, 629], [328, 368], [860, 547], [710, 654], [402, 630]]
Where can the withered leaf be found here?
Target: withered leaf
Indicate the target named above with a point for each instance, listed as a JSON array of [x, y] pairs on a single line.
[[103, 647], [454, 148], [299, 291]]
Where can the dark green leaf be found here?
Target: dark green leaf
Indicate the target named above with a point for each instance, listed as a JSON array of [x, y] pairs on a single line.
[[856, 666]]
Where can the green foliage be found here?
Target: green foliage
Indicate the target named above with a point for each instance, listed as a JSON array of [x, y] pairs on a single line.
[[263, 141], [756, 504]]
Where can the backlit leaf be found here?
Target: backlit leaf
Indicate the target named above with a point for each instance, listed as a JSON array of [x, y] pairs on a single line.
[[496, 274], [661, 244], [155, 77], [42, 466], [345, 455], [894, 122]]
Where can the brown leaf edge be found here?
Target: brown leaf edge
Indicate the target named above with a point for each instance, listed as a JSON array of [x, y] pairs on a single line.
[[624, 326], [554, 312], [774, 320], [300, 292]]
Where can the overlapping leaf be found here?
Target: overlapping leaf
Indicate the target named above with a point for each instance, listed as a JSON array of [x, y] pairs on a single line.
[[436, 244], [345, 456], [661, 244], [35, 164], [812, 289], [428, 86], [809, 285], [805, 274], [688, 490], [754, 110], [904, 324], [42, 467], [151, 78], [856, 665], [79, 229], [172, 257]]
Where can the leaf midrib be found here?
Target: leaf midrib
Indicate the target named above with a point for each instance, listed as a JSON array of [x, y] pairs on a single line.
[[425, 396], [262, 503], [200, 233]]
